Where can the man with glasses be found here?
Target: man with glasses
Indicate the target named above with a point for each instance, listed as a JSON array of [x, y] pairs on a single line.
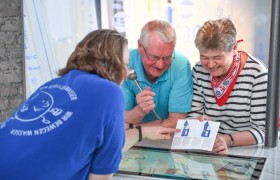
[[164, 75]]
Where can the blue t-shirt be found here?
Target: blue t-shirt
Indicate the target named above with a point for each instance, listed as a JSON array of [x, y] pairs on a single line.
[[70, 127], [174, 89]]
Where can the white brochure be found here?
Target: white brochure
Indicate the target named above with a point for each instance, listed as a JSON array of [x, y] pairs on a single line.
[[195, 134]]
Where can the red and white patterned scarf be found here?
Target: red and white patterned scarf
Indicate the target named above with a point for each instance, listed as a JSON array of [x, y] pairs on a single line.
[[223, 88]]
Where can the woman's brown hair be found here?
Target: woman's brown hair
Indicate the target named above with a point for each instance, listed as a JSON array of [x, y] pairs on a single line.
[[216, 34], [101, 52]]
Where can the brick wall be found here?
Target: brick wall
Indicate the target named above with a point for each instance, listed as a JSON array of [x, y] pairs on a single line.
[[11, 57]]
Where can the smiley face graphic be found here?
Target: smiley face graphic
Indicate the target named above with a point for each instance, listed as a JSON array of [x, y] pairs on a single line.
[[35, 107]]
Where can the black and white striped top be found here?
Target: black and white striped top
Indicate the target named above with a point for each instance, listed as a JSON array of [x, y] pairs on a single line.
[[245, 109]]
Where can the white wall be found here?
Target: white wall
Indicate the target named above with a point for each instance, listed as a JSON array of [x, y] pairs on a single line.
[[53, 28]]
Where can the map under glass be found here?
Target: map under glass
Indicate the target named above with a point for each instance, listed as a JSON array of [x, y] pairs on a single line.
[[178, 164]]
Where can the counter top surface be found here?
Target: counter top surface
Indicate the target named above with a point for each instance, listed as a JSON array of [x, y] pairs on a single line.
[[271, 169]]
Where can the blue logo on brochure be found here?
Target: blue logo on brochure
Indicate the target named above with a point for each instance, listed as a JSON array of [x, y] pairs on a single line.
[[206, 130], [186, 129]]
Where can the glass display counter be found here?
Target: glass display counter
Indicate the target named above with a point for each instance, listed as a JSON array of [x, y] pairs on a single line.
[[178, 164], [268, 169]]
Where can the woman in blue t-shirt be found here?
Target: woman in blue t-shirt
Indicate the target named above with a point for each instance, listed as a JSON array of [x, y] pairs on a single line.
[[72, 127]]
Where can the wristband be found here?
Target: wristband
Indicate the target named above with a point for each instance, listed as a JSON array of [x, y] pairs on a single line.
[[130, 126], [232, 142], [140, 133]]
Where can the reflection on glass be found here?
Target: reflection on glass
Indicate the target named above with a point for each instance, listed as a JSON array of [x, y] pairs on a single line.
[[181, 164]]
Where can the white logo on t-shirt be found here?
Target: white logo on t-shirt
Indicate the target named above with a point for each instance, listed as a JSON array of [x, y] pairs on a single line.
[[43, 111]]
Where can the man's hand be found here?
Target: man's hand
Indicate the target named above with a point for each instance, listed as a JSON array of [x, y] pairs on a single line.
[[145, 100]]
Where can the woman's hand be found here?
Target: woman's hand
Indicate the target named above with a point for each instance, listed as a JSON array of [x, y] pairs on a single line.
[[220, 145], [158, 132], [203, 118]]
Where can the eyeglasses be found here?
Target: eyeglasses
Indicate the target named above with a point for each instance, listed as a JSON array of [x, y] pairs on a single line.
[[154, 58]]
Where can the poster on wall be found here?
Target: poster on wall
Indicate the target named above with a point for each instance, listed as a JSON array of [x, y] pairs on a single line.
[[51, 31]]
